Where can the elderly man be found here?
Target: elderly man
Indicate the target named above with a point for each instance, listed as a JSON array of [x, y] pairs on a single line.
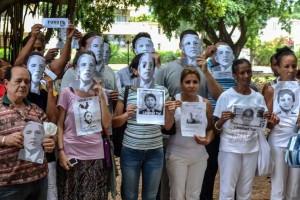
[[20, 179]]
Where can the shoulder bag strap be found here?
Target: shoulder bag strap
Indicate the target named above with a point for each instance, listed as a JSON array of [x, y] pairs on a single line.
[[126, 97]]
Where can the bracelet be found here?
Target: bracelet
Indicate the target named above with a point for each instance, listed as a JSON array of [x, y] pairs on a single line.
[[218, 129], [3, 141], [61, 149]]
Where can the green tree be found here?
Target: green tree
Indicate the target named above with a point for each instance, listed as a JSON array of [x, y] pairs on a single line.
[[217, 20]]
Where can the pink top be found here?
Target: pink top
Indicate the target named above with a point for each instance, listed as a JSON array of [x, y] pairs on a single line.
[[87, 147]]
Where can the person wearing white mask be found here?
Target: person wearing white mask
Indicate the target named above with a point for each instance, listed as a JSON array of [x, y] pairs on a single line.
[[141, 43], [169, 75], [142, 149]]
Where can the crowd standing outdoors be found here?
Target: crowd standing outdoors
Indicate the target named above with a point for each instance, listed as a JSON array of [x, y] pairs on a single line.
[[185, 120]]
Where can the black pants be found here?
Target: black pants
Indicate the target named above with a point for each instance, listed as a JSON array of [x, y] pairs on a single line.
[[211, 170]]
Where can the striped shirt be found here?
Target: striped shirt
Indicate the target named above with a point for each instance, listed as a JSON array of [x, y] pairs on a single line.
[[225, 83], [141, 136], [12, 170]]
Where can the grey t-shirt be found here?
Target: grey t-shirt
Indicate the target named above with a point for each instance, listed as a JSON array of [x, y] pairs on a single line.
[[169, 74]]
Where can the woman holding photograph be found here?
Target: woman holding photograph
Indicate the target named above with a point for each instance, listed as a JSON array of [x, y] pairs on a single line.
[[87, 178], [238, 151], [285, 181], [142, 144], [186, 157]]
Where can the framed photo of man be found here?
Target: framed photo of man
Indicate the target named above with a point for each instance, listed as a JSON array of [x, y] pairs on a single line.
[[150, 103]]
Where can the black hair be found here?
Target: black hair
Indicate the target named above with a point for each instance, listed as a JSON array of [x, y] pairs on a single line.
[[86, 37], [285, 91], [149, 95], [135, 63], [80, 53], [188, 31], [139, 35], [281, 52], [238, 62], [32, 54], [8, 73], [40, 37]]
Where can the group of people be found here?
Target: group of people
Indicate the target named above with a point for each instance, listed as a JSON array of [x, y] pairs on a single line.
[[86, 100]]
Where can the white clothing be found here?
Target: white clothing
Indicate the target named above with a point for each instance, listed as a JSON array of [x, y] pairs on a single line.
[[285, 182], [230, 139], [185, 176], [185, 146], [237, 173]]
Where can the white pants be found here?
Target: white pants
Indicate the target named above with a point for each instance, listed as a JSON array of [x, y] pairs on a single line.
[[52, 189], [284, 180], [237, 173], [185, 176]]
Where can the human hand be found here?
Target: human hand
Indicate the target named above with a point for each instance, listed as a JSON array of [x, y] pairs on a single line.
[[226, 115], [70, 31], [202, 140], [64, 161], [113, 95], [210, 50], [15, 139], [98, 89], [130, 109], [48, 145], [36, 30], [202, 64], [170, 107], [51, 54], [272, 118], [49, 83]]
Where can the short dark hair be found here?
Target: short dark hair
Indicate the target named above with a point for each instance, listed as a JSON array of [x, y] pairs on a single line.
[[286, 91], [139, 35], [149, 95], [40, 37], [188, 31], [8, 73], [32, 54], [80, 53], [135, 63], [86, 37], [237, 62]]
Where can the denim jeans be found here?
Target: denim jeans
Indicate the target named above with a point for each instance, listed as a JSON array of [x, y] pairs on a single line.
[[133, 162], [36, 190]]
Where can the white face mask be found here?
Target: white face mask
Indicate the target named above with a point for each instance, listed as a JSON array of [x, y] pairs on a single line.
[[143, 45], [96, 46], [224, 55], [146, 71], [106, 53], [191, 46], [86, 68], [36, 65]]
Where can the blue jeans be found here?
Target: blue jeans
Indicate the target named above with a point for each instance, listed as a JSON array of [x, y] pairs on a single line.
[[36, 190], [133, 162]]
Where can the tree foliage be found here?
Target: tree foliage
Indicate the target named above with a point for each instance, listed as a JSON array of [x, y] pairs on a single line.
[[217, 20]]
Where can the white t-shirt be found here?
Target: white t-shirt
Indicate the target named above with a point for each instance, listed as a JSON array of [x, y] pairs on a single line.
[[233, 140]]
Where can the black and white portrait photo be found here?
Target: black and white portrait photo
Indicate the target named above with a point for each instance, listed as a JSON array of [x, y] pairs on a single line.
[[33, 133], [247, 118], [286, 98], [87, 115], [150, 106], [191, 119], [150, 103]]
